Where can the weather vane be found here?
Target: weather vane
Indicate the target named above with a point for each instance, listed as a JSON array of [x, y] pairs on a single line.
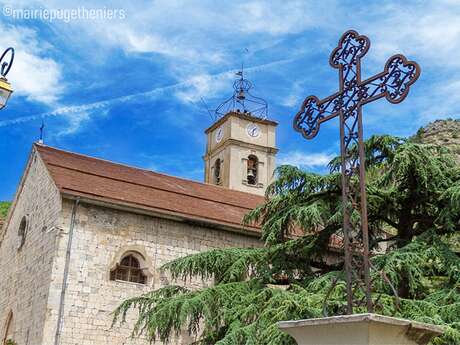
[[242, 101], [393, 84]]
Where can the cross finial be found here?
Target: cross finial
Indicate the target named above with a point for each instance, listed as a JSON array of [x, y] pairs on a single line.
[[42, 131]]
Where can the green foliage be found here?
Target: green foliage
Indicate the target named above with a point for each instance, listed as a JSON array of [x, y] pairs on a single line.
[[414, 207], [418, 137], [4, 207], [224, 266], [10, 342]]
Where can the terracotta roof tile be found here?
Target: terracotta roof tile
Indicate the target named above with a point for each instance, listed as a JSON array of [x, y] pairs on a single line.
[[99, 179]]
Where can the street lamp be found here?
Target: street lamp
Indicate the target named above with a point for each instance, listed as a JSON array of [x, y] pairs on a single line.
[[5, 87]]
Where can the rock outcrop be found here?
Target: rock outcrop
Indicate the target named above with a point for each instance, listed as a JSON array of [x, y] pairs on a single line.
[[441, 132]]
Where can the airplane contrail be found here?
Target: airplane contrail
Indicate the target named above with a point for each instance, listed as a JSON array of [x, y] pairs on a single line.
[[66, 110]]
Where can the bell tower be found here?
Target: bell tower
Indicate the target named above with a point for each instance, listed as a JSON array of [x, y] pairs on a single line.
[[240, 152]]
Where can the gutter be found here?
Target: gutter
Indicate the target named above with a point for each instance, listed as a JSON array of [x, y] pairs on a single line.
[[60, 318]]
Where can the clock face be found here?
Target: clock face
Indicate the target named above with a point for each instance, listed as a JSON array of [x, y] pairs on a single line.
[[253, 130], [219, 134]]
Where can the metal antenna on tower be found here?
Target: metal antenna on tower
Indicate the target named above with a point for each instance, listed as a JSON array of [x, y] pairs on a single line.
[[213, 117]]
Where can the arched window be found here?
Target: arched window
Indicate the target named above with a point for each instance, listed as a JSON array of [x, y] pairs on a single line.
[[22, 231], [217, 171], [129, 269], [252, 170]]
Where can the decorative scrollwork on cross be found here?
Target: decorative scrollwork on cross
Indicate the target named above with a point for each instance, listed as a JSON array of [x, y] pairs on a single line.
[[393, 83]]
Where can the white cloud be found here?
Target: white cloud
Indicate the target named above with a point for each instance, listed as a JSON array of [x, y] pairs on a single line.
[[204, 85], [426, 30], [447, 98], [212, 85], [82, 112], [75, 121], [295, 97], [305, 160], [196, 32], [278, 17], [195, 37], [32, 75], [191, 89]]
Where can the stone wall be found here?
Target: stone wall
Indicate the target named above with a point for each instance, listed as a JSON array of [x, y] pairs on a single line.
[[25, 272], [101, 236]]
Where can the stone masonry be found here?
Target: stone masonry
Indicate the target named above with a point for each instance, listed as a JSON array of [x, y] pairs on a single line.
[[33, 278], [101, 236], [26, 272]]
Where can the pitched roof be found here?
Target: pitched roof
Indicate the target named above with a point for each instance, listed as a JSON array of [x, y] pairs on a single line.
[[101, 180]]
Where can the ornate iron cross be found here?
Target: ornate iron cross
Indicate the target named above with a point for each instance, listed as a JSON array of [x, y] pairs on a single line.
[[393, 84]]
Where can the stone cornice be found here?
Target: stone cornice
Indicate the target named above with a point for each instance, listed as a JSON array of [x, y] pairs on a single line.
[[239, 143], [241, 116]]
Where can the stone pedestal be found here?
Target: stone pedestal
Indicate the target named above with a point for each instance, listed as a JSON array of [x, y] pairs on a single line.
[[360, 329]]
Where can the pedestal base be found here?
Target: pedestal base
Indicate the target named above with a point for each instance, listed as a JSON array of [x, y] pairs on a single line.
[[360, 329]]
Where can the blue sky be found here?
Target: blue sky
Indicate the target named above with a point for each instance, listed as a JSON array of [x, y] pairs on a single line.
[[128, 88]]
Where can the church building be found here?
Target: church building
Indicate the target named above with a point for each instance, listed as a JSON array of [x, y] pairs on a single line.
[[84, 234]]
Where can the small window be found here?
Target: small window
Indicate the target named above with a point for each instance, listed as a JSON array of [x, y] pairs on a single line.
[[252, 170], [217, 171], [129, 269], [22, 232]]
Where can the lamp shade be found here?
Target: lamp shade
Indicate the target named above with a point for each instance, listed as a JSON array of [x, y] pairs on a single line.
[[5, 92]]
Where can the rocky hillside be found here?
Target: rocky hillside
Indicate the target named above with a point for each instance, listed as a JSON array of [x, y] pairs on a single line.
[[441, 132]]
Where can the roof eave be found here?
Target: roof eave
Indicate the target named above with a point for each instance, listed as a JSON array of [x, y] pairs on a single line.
[[151, 211]]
